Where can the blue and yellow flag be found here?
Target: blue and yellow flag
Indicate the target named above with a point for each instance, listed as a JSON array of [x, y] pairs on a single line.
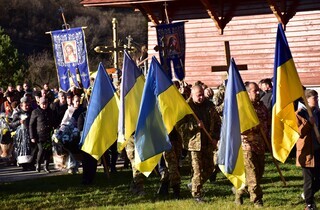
[[238, 116], [100, 127], [162, 106], [286, 89], [132, 84]]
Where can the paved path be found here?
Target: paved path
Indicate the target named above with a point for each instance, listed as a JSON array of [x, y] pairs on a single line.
[[15, 173]]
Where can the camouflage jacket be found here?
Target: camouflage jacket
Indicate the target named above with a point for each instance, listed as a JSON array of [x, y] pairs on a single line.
[[193, 137], [252, 139], [218, 101]]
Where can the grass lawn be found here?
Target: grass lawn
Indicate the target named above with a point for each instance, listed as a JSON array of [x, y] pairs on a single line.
[[66, 192]]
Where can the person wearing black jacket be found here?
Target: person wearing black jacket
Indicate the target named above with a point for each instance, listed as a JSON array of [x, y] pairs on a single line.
[[59, 108], [40, 127]]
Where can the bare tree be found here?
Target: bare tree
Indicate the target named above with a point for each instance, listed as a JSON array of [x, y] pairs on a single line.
[[42, 69]]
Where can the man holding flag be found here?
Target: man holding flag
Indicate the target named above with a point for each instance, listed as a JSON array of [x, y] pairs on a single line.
[[200, 145], [241, 148], [285, 131], [158, 115], [308, 148], [132, 84], [253, 146]]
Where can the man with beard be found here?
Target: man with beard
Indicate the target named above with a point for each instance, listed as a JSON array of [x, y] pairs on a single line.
[[253, 146]]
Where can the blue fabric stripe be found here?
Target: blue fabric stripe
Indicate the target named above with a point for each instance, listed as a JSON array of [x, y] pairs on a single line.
[[132, 73], [163, 82], [238, 84], [230, 131], [282, 55], [97, 103], [151, 137]]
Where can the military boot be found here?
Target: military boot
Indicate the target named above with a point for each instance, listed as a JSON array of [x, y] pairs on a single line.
[[163, 189], [176, 191]]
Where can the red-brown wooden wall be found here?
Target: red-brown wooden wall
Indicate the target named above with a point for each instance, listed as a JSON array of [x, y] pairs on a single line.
[[252, 42]]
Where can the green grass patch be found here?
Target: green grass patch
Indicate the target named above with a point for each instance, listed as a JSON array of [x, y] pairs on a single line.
[[67, 192]]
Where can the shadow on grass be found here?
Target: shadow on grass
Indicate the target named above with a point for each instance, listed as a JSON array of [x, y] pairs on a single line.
[[67, 192]]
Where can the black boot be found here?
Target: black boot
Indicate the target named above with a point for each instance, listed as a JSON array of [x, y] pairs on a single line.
[[176, 191], [163, 189], [46, 166]]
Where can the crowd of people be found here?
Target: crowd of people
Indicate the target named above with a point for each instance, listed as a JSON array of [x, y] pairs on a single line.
[[39, 113]]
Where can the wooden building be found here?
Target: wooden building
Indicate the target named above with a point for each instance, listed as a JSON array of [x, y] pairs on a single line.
[[248, 25]]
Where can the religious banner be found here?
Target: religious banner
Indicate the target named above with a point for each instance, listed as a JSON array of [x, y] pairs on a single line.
[[70, 53], [171, 39]]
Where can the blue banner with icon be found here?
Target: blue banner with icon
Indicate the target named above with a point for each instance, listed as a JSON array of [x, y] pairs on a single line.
[[171, 42], [70, 53]]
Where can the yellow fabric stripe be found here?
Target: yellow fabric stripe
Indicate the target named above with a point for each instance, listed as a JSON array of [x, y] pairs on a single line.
[[132, 105], [146, 167], [285, 131], [289, 87], [247, 115], [237, 178], [103, 131], [173, 107]]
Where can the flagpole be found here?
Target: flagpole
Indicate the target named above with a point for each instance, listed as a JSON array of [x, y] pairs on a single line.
[[273, 159], [316, 131], [205, 131], [49, 32]]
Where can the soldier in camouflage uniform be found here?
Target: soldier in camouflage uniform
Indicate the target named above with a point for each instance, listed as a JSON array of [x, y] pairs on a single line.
[[198, 142], [137, 185], [170, 175], [218, 99], [253, 146]]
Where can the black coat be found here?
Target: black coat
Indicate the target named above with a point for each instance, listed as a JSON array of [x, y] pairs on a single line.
[[16, 119], [41, 124], [58, 111]]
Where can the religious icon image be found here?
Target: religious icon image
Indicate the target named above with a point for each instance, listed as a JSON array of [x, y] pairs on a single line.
[[173, 44], [70, 51]]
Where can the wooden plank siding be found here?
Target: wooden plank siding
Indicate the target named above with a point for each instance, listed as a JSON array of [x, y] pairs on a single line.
[[252, 42]]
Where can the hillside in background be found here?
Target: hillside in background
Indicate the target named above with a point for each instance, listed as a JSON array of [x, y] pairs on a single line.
[[26, 22]]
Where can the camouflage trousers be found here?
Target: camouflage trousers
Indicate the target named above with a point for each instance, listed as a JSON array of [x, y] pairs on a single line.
[[138, 177], [202, 166], [171, 172], [254, 168]]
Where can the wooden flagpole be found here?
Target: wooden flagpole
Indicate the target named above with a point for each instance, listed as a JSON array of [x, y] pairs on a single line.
[[273, 159]]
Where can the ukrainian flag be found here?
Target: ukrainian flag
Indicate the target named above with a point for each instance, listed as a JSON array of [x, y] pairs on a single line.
[[286, 89], [162, 106], [130, 97], [100, 128], [238, 116]]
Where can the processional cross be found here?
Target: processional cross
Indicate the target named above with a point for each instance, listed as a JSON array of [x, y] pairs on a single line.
[[116, 49]]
